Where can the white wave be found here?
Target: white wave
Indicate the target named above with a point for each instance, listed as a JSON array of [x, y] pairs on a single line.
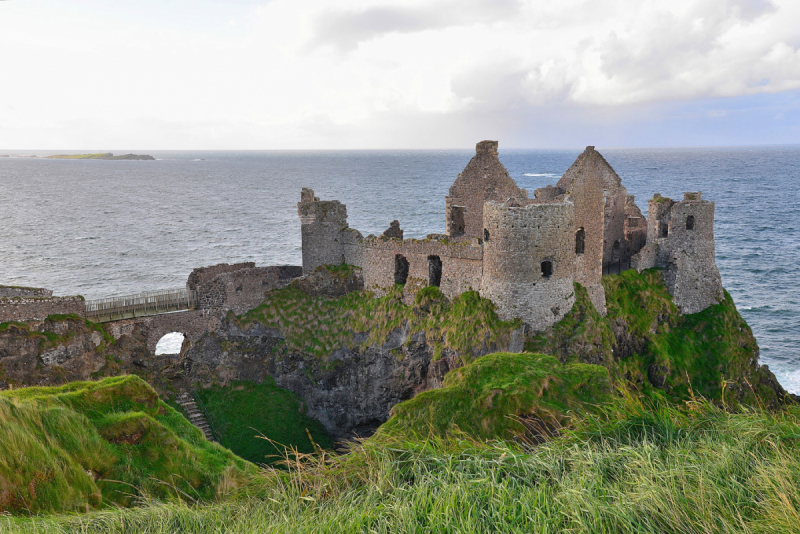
[[790, 380], [538, 174]]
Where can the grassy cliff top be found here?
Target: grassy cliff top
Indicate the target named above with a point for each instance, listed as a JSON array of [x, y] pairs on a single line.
[[89, 444], [502, 396]]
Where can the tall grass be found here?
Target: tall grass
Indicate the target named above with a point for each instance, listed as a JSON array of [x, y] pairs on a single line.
[[639, 469]]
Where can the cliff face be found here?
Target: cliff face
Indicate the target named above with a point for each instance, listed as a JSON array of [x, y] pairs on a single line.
[[353, 357]]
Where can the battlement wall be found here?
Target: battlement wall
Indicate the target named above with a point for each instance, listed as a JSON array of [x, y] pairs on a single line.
[[17, 291], [528, 260], [39, 308]]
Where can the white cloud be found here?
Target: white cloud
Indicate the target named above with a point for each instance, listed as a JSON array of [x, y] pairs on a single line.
[[308, 73]]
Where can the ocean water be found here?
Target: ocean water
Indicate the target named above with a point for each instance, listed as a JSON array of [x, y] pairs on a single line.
[[105, 228]]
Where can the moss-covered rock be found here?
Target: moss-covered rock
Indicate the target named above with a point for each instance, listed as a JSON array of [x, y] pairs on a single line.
[[502, 396]]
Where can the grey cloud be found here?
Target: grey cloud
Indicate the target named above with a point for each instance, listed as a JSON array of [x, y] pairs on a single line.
[[344, 29]]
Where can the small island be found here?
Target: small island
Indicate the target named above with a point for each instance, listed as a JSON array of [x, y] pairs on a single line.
[[107, 155]]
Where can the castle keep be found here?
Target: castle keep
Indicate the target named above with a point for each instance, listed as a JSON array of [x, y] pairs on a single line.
[[525, 253]]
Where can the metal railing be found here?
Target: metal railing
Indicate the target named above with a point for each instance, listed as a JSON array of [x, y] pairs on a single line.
[[140, 305]]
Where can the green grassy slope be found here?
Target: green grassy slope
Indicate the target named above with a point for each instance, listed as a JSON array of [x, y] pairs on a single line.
[[502, 395], [645, 343], [640, 470], [243, 411], [86, 444]]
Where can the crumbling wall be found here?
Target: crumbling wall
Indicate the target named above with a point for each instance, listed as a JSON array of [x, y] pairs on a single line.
[[680, 240], [635, 229], [322, 223], [192, 324], [17, 291], [38, 309], [461, 262], [584, 184], [521, 239], [484, 178], [202, 275]]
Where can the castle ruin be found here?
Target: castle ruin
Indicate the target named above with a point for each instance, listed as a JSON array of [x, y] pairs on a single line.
[[525, 254]]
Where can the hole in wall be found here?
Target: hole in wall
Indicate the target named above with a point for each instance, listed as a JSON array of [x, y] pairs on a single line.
[[434, 271], [170, 343], [547, 268], [400, 269], [580, 241], [690, 222], [485, 234]]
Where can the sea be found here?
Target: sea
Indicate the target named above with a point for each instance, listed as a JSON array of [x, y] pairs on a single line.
[[106, 228]]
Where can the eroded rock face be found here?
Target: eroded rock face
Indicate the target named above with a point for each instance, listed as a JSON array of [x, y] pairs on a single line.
[[350, 393]]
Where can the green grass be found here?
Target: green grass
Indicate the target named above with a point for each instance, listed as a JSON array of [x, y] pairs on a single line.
[[244, 412], [636, 469], [318, 326], [503, 395], [89, 444]]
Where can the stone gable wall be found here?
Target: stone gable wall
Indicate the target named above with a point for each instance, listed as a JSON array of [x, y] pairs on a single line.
[[37, 309], [584, 184], [484, 178]]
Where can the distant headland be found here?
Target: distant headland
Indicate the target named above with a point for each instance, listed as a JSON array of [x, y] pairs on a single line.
[[107, 155]]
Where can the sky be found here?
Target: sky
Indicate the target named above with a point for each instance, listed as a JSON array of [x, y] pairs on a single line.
[[364, 74]]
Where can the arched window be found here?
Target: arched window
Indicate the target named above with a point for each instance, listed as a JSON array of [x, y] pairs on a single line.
[[547, 268], [616, 244], [434, 271], [170, 343], [485, 234], [580, 241], [400, 269], [690, 222]]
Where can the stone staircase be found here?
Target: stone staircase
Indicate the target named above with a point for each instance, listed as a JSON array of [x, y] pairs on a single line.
[[196, 416]]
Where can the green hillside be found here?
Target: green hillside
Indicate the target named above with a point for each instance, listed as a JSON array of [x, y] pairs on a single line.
[[89, 444]]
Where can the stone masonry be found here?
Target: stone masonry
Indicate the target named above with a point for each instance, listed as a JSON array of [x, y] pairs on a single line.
[[522, 253]]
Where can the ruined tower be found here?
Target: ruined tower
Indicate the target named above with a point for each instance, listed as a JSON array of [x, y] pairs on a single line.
[[483, 179], [680, 240], [528, 260], [322, 223]]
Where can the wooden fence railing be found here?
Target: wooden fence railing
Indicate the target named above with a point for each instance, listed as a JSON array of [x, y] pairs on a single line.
[[143, 304]]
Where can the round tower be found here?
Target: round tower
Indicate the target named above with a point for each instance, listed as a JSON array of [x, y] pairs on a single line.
[[529, 260]]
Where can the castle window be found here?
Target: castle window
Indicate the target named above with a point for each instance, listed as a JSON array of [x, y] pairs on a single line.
[[434, 271], [485, 234], [547, 268], [616, 244], [664, 229], [400, 269], [690, 222], [580, 241], [457, 221]]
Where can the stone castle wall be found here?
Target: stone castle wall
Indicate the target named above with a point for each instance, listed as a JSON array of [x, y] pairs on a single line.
[[16, 291], [461, 262], [520, 239], [243, 289], [38, 309], [584, 184], [202, 275]]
